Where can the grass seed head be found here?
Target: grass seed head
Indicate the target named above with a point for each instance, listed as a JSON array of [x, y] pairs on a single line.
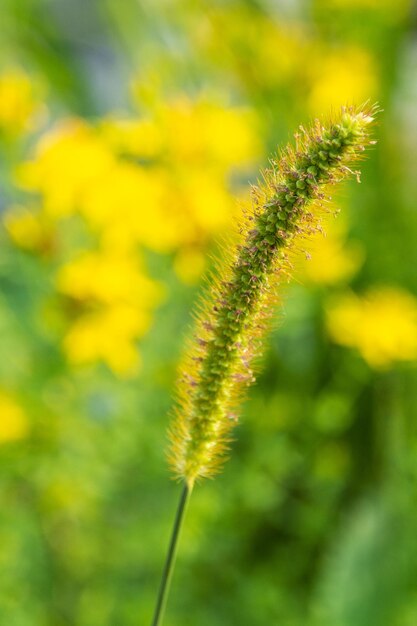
[[233, 317]]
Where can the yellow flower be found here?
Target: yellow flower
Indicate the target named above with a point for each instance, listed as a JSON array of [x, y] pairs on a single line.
[[174, 195], [231, 135], [330, 259], [13, 421], [127, 200], [196, 133], [106, 278], [156, 208], [25, 228], [207, 200], [343, 75], [204, 132], [108, 335], [19, 104], [140, 137], [189, 265], [382, 325], [122, 298], [68, 160]]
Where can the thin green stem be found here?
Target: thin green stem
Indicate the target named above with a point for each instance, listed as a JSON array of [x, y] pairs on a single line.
[[170, 559]]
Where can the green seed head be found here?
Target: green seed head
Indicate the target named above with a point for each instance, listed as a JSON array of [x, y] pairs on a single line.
[[233, 317]]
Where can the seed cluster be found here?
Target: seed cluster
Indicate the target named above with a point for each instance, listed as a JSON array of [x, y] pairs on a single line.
[[233, 318]]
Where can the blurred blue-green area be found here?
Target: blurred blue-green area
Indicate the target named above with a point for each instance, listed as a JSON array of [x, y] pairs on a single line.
[[129, 129]]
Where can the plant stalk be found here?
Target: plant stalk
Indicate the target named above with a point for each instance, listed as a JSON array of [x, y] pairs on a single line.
[[171, 555]]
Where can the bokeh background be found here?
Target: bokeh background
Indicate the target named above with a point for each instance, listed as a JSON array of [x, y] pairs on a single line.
[[130, 130]]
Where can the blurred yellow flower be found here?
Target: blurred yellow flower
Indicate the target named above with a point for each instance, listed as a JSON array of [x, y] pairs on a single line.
[[207, 202], [342, 76], [331, 259], [382, 325], [172, 193], [108, 335], [19, 103], [187, 132], [203, 133], [127, 206], [160, 183], [140, 137], [13, 421], [106, 277], [120, 299], [68, 160], [189, 265], [155, 208], [25, 228]]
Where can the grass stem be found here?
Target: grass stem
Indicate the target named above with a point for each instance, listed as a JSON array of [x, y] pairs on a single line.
[[170, 559]]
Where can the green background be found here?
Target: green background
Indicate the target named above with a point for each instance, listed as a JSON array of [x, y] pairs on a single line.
[[312, 521]]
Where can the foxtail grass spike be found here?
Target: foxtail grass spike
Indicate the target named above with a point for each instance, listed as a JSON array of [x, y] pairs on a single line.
[[234, 316]]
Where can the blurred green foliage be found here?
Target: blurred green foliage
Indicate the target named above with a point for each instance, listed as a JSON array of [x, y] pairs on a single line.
[[313, 520]]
